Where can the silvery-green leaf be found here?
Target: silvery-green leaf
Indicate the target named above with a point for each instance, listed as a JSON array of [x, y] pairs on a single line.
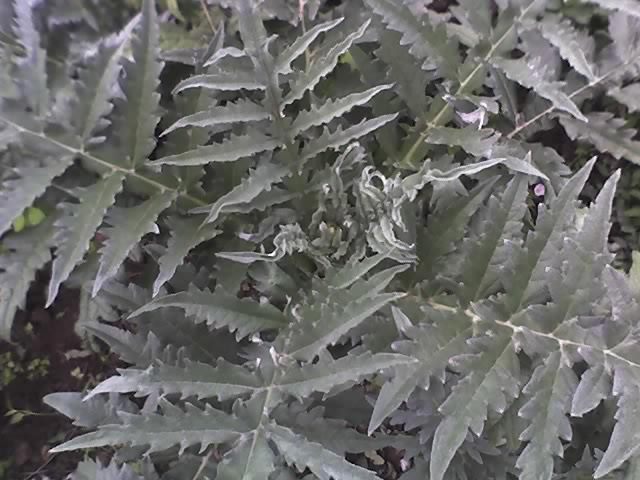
[[77, 225], [128, 226]]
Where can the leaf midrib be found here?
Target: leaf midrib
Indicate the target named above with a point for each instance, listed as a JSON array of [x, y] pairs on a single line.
[[129, 172]]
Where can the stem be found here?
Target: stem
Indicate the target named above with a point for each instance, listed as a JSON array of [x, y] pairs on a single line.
[[202, 466], [303, 25], [205, 9]]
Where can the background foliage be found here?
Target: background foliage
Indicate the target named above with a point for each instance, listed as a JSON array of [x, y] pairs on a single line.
[[317, 231]]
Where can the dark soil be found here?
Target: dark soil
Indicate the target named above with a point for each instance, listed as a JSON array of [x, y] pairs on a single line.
[[43, 335]]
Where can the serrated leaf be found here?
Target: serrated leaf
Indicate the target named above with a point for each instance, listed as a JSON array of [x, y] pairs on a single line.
[[21, 257], [300, 45], [135, 119], [333, 140], [224, 52], [323, 463], [527, 72], [629, 7], [574, 46], [490, 382], [220, 309], [94, 470], [78, 225], [607, 133], [250, 459], [186, 234], [225, 380], [128, 226], [256, 43], [259, 180], [222, 381], [353, 271], [625, 439], [470, 139], [549, 390], [428, 43], [446, 227], [325, 323], [89, 413], [432, 346], [325, 62], [529, 264], [33, 66], [221, 81], [623, 29], [175, 427], [629, 96], [594, 386], [322, 377], [130, 347], [333, 109], [240, 111], [235, 148], [409, 80], [95, 86], [487, 248]]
